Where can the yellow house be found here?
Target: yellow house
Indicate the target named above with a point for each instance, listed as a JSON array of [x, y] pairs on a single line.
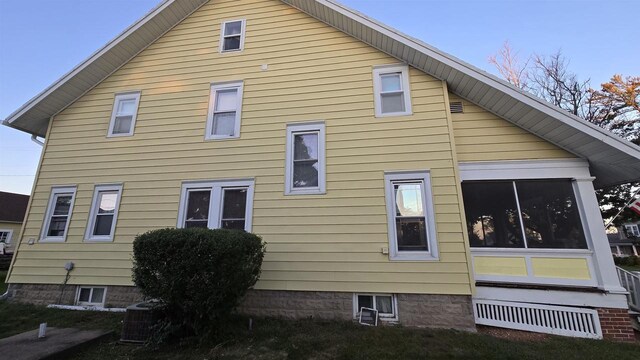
[[13, 208], [380, 171]]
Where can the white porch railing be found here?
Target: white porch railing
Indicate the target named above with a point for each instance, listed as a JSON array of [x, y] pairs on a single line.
[[631, 282]]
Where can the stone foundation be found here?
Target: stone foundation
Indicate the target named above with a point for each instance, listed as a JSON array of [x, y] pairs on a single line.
[[616, 324], [436, 311], [45, 294]]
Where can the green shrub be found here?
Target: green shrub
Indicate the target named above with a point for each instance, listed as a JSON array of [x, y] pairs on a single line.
[[198, 275], [627, 260]]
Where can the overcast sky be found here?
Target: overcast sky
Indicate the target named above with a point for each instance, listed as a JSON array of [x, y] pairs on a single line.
[[41, 40]]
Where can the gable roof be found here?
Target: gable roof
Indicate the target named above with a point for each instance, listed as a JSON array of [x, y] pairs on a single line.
[[613, 160], [13, 207]]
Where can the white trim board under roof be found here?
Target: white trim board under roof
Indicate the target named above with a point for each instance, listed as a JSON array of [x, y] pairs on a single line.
[[612, 159]]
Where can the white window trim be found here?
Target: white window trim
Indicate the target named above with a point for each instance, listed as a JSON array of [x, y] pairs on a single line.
[[89, 303], [215, 203], [430, 223], [377, 88], [7, 241], [120, 97], [383, 317], [630, 229], [242, 33], [55, 191], [215, 87], [294, 129], [94, 210]]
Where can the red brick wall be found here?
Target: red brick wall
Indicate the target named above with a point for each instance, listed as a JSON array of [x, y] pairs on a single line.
[[616, 324]]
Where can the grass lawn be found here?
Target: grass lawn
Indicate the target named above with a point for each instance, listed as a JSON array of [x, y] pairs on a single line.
[[631, 268], [3, 286]]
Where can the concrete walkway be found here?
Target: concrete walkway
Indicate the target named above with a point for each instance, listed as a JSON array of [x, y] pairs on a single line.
[[26, 346]]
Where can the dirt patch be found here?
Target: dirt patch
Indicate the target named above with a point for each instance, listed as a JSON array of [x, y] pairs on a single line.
[[511, 334]]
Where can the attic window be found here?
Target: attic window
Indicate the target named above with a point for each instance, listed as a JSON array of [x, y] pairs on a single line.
[[391, 89], [456, 107], [232, 36], [123, 116]]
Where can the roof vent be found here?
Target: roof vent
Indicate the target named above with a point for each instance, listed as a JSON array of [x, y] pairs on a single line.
[[455, 107]]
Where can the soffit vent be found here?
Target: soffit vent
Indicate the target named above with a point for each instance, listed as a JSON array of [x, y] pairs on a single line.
[[455, 107]]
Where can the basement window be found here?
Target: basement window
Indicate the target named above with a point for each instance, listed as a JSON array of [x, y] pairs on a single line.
[[123, 116], [91, 296], [386, 304], [232, 36], [391, 89]]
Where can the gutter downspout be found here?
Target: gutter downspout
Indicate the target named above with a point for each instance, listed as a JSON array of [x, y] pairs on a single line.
[[34, 138]]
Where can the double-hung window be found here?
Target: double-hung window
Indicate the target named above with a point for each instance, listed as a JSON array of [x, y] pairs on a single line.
[[58, 216], [410, 214], [225, 107], [391, 90], [232, 35], [632, 230], [104, 213], [305, 159], [123, 116], [5, 236], [224, 204]]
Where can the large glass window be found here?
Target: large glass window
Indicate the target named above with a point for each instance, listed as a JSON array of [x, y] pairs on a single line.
[[523, 214], [217, 204], [305, 166]]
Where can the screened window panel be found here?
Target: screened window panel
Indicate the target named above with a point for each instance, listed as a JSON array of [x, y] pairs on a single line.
[[224, 124], [85, 295], [392, 102], [226, 100], [550, 215], [233, 28], [232, 43], [103, 225], [384, 304], [122, 124], [97, 295], [198, 209], [365, 301], [492, 214], [63, 205], [391, 82]]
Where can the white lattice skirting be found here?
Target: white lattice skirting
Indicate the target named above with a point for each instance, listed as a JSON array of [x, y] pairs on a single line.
[[556, 320]]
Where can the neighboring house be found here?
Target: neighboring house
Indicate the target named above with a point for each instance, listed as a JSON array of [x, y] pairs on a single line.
[[13, 208], [380, 171], [626, 241]]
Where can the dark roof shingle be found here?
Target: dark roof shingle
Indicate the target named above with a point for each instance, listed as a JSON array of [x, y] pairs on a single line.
[[13, 207]]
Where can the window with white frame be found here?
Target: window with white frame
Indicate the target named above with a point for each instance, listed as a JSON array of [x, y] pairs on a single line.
[[523, 214], [391, 90], [225, 107], [124, 114], [56, 221], [232, 35], [632, 230], [5, 236], [386, 304], [91, 296], [224, 204], [305, 159], [104, 213], [410, 216]]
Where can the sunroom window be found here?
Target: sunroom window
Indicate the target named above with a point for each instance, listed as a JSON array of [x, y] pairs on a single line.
[[540, 214]]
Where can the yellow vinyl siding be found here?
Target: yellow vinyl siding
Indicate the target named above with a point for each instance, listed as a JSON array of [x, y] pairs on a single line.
[[327, 242], [482, 136], [561, 268], [497, 265]]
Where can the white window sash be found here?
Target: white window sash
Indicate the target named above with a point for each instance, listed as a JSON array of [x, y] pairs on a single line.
[[423, 176], [90, 303], [131, 95], [95, 204], [383, 316], [301, 129], [243, 23], [215, 87], [215, 204], [55, 193], [378, 71], [9, 235]]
